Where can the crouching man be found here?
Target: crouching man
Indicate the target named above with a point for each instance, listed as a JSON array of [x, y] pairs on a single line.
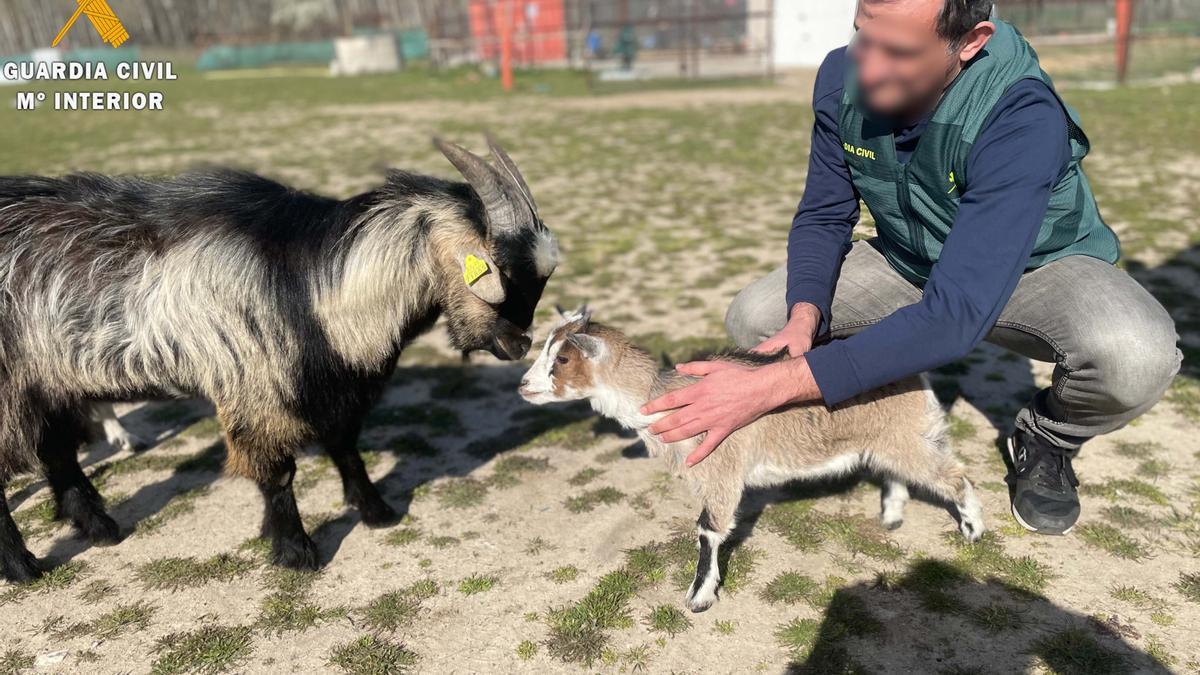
[[941, 121]]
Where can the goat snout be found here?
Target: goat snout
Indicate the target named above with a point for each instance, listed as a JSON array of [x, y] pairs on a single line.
[[511, 347]]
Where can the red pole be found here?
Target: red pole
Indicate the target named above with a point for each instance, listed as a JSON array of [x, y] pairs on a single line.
[[1124, 20], [506, 33]]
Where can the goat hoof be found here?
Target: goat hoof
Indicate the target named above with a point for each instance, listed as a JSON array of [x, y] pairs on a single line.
[[101, 530], [700, 602], [378, 514], [892, 524], [21, 568], [297, 554]]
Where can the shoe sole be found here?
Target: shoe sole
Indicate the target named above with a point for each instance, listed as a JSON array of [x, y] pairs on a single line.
[[1012, 506]]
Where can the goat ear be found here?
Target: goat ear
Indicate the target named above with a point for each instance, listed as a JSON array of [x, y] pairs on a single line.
[[582, 314], [487, 183], [589, 345], [482, 276]]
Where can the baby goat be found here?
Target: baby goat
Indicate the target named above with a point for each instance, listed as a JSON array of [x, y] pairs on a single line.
[[897, 431], [285, 309]]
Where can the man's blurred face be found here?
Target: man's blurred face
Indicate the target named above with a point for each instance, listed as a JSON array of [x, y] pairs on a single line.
[[902, 62]]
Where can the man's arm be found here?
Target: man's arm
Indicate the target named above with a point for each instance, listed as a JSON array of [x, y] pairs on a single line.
[[1017, 159], [820, 234]]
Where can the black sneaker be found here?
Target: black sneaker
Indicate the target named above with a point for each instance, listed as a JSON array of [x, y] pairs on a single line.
[[1044, 498]]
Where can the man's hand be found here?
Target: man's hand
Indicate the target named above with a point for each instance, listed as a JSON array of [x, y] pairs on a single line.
[[797, 335], [729, 397]]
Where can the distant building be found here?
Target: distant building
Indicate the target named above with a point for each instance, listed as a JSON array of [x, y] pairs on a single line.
[[806, 30]]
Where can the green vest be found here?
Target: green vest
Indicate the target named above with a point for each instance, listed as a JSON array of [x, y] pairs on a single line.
[[914, 204]]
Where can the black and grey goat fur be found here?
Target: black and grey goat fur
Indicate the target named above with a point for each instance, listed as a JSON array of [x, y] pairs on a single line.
[[287, 310]]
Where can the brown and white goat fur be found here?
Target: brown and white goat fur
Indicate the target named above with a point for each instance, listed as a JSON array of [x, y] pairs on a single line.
[[896, 432], [286, 309]]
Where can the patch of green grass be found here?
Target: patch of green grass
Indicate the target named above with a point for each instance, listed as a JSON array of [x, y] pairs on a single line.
[[798, 636], [438, 419], [56, 579], [724, 627], [398, 608], [526, 650], [1189, 586], [176, 573], [477, 583], [372, 655], [205, 428], [537, 545], [96, 590], [413, 445], [562, 575], [179, 505], [578, 631], [461, 493], [443, 541], [211, 649], [1127, 516], [402, 536], [1075, 651], [1120, 489], [15, 661], [667, 619], [1137, 450], [509, 469], [589, 500], [996, 618], [1135, 596], [1153, 469], [289, 606], [790, 588], [135, 616], [1108, 538], [806, 528], [959, 428], [585, 476], [987, 558], [578, 435]]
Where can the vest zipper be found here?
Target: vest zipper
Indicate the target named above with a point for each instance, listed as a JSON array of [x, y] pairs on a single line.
[[916, 234]]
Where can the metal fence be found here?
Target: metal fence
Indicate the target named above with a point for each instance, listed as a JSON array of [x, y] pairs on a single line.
[[621, 38], [1075, 17]]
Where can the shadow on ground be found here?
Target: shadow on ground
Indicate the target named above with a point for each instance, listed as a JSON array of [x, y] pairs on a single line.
[[428, 441], [934, 619]]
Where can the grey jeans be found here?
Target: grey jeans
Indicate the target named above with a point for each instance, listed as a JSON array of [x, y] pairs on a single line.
[[1113, 344]]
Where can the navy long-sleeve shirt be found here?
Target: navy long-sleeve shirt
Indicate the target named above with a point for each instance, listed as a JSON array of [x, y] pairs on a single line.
[[1021, 152]]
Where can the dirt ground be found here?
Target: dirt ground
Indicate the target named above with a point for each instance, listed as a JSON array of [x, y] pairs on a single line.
[[543, 540]]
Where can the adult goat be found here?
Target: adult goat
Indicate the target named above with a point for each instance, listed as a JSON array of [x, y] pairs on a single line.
[[287, 310]]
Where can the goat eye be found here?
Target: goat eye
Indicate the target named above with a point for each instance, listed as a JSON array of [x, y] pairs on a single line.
[[563, 359]]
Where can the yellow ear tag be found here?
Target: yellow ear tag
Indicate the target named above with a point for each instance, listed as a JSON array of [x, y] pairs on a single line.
[[473, 268]]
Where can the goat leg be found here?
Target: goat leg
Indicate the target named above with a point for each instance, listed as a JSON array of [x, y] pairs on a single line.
[[75, 498], [290, 545], [17, 564], [357, 488]]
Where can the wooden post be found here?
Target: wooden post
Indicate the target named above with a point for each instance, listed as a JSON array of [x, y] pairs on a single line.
[[1124, 21], [506, 37]]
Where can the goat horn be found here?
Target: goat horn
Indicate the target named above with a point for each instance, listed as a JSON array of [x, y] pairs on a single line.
[[508, 169], [486, 182]]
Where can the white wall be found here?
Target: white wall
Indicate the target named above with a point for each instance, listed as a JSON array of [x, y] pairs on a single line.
[[806, 30]]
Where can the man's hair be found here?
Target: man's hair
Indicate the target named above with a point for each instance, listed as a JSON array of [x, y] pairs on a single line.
[[958, 17]]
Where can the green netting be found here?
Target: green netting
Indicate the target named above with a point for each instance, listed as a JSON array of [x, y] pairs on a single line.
[[225, 57]]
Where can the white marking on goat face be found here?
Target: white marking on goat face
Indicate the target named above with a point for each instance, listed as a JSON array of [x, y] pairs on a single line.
[[563, 371]]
